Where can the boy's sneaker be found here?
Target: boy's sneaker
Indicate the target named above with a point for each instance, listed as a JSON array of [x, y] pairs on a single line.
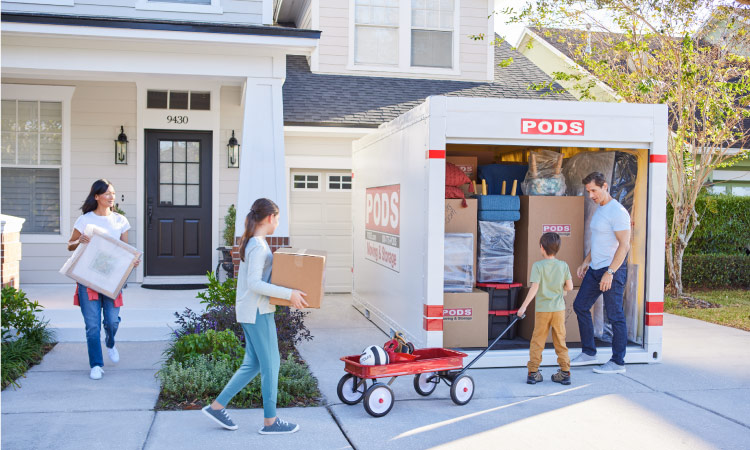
[[561, 377], [279, 427], [610, 367], [584, 360], [219, 416], [534, 377], [114, 355], [96, 373]]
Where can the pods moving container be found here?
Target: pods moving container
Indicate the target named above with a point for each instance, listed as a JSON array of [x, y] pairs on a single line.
[[398, 205]]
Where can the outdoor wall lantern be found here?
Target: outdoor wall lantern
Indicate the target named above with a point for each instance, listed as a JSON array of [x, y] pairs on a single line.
[[121, 148], [233, 152]]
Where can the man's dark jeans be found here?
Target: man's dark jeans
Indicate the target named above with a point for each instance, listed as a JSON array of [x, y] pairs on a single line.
[[587, 295]]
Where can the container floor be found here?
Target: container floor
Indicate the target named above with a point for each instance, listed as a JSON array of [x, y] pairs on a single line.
[[522, 344]]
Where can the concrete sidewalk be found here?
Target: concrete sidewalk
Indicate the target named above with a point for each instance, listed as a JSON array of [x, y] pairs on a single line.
[[699, 397]]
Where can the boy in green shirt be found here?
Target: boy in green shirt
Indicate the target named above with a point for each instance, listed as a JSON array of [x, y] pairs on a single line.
[[550, 280]]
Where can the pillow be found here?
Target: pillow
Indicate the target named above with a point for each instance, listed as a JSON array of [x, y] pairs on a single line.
[[455, 176], [454, 192]]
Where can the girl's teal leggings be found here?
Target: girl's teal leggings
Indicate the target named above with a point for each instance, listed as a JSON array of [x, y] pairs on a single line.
[[261, 355]]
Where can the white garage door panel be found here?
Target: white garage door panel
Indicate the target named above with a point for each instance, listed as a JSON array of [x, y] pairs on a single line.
[[321, 220]]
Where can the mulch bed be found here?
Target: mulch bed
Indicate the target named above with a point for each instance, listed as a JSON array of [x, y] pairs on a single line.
[[696, 303]]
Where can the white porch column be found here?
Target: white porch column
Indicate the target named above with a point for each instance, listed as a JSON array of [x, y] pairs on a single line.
[[262, 151]]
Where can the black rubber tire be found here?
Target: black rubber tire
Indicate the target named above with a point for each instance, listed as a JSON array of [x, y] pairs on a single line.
[[379, 400], [346, 383], [462, 390], [410, 347], [424, 376]]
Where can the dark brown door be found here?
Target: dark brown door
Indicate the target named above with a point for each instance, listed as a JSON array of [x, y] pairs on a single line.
[[178, 203]]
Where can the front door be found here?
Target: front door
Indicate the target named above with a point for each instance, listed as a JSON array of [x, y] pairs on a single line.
[[178, 203]]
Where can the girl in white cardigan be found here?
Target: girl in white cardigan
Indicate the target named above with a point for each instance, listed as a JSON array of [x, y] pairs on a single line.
[[255, 314]]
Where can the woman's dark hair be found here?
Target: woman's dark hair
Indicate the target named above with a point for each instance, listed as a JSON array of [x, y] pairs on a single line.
[[261, 209], [596, 177], [98, 188]]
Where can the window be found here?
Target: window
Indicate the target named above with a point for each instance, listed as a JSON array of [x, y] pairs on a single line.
[[718, 189], [432, 33], [32, 151], [741, 191], [179, 173], [178, 100], [338, 182], [306, 182], [376, 32]]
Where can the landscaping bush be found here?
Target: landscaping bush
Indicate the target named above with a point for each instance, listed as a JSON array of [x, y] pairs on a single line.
[[200, 379], [724, 225], [25, 338], [229, 221], [715, 271], [218, 345]]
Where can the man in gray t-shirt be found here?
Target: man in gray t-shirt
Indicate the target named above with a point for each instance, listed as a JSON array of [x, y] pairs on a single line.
[[604, 273]]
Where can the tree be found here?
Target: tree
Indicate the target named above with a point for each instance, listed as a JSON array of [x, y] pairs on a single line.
[[685, 53]]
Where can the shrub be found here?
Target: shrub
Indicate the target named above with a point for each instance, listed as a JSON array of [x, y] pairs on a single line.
[[218, 293], [20, 354], [202, 379], [220, 345], [724, 225], [229, 221], [18, 313], [714, 271]]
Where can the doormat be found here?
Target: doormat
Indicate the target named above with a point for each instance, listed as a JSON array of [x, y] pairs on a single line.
[[174, 287]]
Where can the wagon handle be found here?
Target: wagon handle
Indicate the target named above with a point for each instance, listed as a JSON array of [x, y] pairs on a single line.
[[489, 346]]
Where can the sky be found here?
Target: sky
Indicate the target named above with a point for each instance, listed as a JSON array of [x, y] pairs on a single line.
[[511, 32]]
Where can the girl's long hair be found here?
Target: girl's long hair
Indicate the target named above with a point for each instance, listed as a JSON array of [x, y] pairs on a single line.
[[98, 188], [261, 209]]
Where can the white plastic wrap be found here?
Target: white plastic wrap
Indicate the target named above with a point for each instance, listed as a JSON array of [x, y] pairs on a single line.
[[545, 174], [495, 262], [495, 269], [458, 262]]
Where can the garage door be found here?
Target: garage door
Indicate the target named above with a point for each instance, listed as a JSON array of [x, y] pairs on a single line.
[[320, 218]]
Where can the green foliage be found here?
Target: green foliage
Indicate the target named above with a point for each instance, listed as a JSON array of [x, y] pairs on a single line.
[[724, 225], [229, 221], [20, 354], [18, 313], [218, 294], [716, 271], [219, 345], [202, 378]]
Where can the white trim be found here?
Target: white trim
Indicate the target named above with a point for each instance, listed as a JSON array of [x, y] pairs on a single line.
[[307, 181], [315, 25], [731, 175], [267, 12], [293, 130], [63, 94], [318, 162], [340, 182], [491, 36], [43, 2], [213, 8], [404, 45]]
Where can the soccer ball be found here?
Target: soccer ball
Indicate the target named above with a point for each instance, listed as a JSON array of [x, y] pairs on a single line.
[[374, 355]]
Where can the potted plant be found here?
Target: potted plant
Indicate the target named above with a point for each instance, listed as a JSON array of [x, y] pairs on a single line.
[[226, 250]]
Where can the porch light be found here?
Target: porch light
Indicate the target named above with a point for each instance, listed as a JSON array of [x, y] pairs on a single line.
[[233, 152], [121, 148]]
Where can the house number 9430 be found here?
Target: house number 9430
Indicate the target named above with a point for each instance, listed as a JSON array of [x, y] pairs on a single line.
[[180, 120]]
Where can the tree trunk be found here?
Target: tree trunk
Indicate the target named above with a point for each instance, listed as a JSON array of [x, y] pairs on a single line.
[[684, 223]]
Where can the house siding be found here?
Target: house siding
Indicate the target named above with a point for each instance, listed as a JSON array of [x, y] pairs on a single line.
[[234, 11]]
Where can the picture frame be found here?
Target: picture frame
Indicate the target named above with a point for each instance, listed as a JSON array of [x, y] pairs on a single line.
[[103, 264]]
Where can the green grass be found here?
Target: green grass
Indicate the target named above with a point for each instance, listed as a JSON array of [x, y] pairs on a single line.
[[734, 310], [19, 355]]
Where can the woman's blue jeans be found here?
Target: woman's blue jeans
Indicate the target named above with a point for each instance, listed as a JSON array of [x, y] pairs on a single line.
[[92, 311]]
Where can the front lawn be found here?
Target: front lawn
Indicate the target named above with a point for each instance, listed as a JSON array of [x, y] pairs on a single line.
[[729, 307]]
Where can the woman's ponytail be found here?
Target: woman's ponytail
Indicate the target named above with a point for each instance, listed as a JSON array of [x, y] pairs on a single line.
[[261, 209]]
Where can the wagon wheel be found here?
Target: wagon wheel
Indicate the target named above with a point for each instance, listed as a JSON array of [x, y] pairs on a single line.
[[348, 391], [462, 390], [410, 346], [378, 400], [424, 385]]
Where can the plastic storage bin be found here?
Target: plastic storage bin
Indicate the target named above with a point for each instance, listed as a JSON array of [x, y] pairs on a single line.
[[497, 322], [503, 297], [459, 262]]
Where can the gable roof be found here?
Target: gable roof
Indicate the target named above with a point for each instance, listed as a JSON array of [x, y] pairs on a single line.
[[365, 101]]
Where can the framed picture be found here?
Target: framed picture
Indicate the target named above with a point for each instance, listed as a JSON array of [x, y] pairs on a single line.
[[103, 264]]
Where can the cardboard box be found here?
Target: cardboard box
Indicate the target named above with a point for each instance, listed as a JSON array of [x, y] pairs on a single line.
[[465, 319], [462, 220], [467, 164], [540, 214], [526, 326], [300, 269]]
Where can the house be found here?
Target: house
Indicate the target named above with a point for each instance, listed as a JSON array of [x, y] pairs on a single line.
[[294, 81], [548, 49]]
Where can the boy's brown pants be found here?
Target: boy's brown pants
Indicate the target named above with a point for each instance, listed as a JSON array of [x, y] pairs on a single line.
[[544, 321]]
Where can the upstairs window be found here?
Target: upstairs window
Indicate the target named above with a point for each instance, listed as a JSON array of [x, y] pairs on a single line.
[[376, 28], [192, 100], [432, 33]]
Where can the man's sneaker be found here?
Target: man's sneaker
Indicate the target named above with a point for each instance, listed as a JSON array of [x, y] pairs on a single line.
[[584, 360], [219, 416], [96, 373], [561, 377], [279, 427], [534, 377], [610, 367], [114, 355]]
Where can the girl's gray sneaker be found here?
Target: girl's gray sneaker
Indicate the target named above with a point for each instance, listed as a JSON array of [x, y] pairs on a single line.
[[279, 427], [219, 416]]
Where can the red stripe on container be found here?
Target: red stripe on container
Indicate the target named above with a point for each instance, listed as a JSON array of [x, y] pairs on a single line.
[[432, 324], [503, 313], [657, 158], [499, 285], [655, 320], [433, 310], [654, 307], [436, 154]]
